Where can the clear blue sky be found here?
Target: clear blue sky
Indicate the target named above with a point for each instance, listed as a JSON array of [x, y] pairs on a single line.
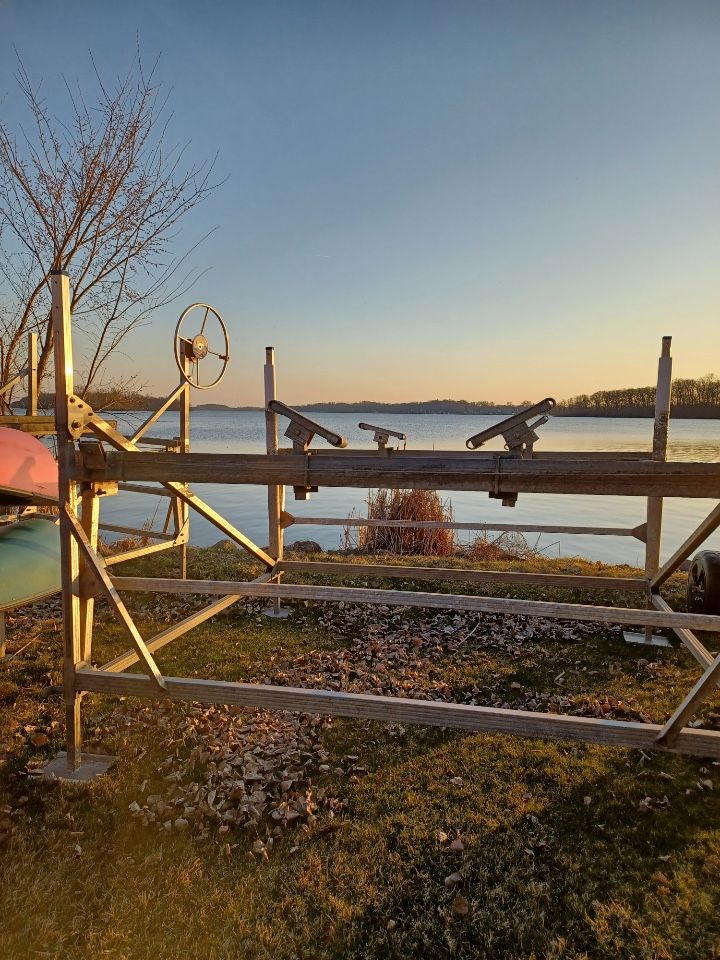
[[443, 199]]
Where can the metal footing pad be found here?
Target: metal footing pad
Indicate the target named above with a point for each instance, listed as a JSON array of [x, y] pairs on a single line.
[[280, 614], [91, 765], [653, 641]]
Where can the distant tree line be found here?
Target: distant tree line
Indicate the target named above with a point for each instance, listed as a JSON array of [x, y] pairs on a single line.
[[689, 399], [417, 406], [121, 398]]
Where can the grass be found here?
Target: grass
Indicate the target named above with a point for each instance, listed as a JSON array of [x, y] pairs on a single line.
[[570, 851], [386, 504]]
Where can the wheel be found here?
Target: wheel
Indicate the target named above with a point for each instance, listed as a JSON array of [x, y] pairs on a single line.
[[192, 349], [703, 595]]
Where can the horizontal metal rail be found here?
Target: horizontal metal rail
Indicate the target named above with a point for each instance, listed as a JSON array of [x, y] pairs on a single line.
[[139, 488], [620, 733], [134, 532], [459, 574], [443, 601], [391, 452], [500, 475], [638, 532], [158, 442]]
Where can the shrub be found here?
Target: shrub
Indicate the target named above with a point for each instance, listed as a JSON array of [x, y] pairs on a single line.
[[508, 546], [404, 505]]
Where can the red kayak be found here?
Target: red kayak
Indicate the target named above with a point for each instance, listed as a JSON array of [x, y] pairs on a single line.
[[28, 471]]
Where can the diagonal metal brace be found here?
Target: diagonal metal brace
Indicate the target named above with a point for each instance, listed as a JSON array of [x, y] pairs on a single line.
[[103, 430], [704, 688], [96, 568]]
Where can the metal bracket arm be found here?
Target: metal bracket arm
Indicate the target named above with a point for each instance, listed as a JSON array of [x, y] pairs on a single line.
[[382, 434], [507, 425], [301, 431]]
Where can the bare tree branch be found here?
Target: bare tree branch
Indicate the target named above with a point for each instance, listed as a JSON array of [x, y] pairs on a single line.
[[99, 194]]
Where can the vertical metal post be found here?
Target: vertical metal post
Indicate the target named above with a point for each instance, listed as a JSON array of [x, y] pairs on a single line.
[[276, 494], [659, 453], [70, 567], [183, 511], [32, 380]]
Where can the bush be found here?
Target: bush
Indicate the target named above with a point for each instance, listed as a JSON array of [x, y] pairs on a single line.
[[508, 546], [404, 505]]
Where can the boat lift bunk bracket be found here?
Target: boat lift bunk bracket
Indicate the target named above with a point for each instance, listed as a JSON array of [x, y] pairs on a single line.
[[519, 436], [301, 430], [382, 435]]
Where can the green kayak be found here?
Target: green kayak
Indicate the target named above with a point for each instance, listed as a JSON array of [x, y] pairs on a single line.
[[29, 562]]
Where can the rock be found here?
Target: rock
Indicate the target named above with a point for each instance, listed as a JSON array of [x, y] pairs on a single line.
[[303, 546], [461, 906], [227, 545]]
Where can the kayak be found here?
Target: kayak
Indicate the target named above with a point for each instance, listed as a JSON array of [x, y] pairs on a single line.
[[28, 471], [29, 561]]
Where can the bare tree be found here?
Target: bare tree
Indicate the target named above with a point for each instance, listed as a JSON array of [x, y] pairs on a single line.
[[98, 194]]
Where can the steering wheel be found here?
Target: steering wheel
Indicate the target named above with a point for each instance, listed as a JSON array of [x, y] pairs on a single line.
[[195, 348]]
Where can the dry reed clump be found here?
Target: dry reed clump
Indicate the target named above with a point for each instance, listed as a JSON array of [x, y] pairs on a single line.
[[418, 505], [108, 548], [508, 546]]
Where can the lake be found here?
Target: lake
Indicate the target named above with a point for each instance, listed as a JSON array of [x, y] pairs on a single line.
[[246, 506]]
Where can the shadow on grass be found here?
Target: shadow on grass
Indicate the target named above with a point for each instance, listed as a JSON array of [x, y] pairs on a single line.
[[545, 871]]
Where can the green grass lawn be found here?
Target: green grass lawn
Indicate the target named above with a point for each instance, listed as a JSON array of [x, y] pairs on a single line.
[[416, 843]]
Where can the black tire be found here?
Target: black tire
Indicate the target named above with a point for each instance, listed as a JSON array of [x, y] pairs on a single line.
[[703, 594]]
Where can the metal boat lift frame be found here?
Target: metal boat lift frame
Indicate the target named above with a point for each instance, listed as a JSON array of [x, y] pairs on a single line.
[[85, 466]]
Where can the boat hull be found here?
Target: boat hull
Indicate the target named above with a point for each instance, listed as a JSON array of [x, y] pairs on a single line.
[[29, 562], [28, 471]]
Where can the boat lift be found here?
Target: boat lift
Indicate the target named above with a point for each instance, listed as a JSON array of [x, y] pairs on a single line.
[[647, 477]]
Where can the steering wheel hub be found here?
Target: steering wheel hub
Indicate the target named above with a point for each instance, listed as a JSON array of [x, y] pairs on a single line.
[[199, 347]]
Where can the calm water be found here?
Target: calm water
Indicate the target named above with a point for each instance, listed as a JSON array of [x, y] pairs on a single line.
[[246, 506]]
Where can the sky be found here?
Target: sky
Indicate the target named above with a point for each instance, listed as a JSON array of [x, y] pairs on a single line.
[[470, 200]]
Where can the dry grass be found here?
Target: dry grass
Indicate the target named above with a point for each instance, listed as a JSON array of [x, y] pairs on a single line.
[[507, 546], [404, 541]]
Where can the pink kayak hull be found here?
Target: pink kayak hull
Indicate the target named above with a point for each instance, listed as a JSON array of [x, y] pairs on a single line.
[[28, 471]]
